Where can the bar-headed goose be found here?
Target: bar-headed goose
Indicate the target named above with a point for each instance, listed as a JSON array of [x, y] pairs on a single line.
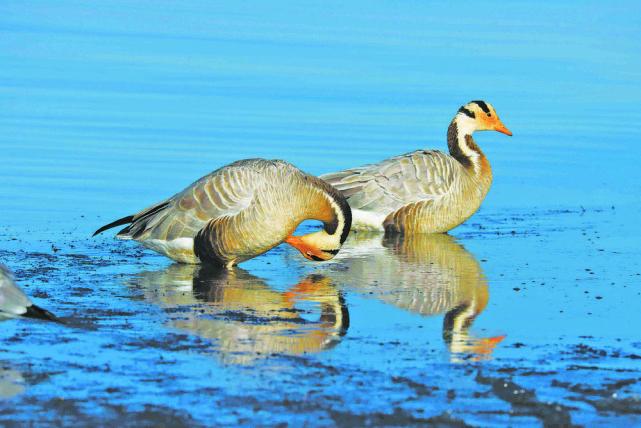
[[241, 211], [425, 191]]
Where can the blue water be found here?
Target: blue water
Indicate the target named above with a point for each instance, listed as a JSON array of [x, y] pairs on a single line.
[[108, 107]]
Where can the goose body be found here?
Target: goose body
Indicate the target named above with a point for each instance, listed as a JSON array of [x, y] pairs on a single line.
[[14, 303], [425, 191], [241, 211]]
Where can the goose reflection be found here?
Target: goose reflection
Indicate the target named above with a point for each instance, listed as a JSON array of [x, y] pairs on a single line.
[[424, 274], [12, 383], [246, 317]]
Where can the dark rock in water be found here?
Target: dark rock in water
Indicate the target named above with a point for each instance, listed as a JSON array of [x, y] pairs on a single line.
[[524, 402]]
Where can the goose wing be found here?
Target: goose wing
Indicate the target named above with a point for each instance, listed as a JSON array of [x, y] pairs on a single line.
[[393, 183], [14, 303], [223, 193]]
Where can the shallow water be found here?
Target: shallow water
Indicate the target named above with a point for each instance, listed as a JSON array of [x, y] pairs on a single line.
[[525, 314]]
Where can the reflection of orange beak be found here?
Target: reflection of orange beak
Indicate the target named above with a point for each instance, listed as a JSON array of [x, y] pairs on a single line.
[[487, 345], [476, 349], [305, 287], [309, 252], [502, 128]]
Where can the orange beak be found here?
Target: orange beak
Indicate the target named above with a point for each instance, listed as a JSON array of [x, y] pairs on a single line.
[[502, 128], [309, 252]]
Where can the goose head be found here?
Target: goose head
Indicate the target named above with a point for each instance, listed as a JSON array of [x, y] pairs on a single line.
[[331, 208], [317, 246], [479, 116]]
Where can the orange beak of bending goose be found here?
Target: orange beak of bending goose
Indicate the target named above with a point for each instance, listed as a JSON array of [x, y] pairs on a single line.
[[308, 251], [333, 211]]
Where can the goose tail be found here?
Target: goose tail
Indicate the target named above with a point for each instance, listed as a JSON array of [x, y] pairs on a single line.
[[37, 312], [119, 222]]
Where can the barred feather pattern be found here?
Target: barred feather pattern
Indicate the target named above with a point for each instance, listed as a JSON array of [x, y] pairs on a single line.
[[425, 191], [235, 213]]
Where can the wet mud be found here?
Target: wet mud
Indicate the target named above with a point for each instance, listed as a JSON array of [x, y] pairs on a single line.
[[395, 331]]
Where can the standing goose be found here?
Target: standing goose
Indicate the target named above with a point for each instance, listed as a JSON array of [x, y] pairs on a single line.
[[241, 211], [14, 303], [425, 191]]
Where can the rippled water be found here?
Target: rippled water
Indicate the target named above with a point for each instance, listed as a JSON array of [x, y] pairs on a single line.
[[526, 314]]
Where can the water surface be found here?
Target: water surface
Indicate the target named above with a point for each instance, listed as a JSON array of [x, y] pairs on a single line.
[[525, 314]]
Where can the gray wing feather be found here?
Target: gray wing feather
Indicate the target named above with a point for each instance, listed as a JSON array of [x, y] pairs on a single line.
[[224, 192], [13, 302], [398, 181]]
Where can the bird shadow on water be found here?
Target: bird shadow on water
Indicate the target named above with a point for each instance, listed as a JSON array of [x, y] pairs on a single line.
[[424, 274], [245, 317]]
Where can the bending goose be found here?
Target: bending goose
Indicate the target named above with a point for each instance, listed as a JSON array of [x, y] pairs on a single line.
[[14, 303], [425, 191], [241, 211]]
